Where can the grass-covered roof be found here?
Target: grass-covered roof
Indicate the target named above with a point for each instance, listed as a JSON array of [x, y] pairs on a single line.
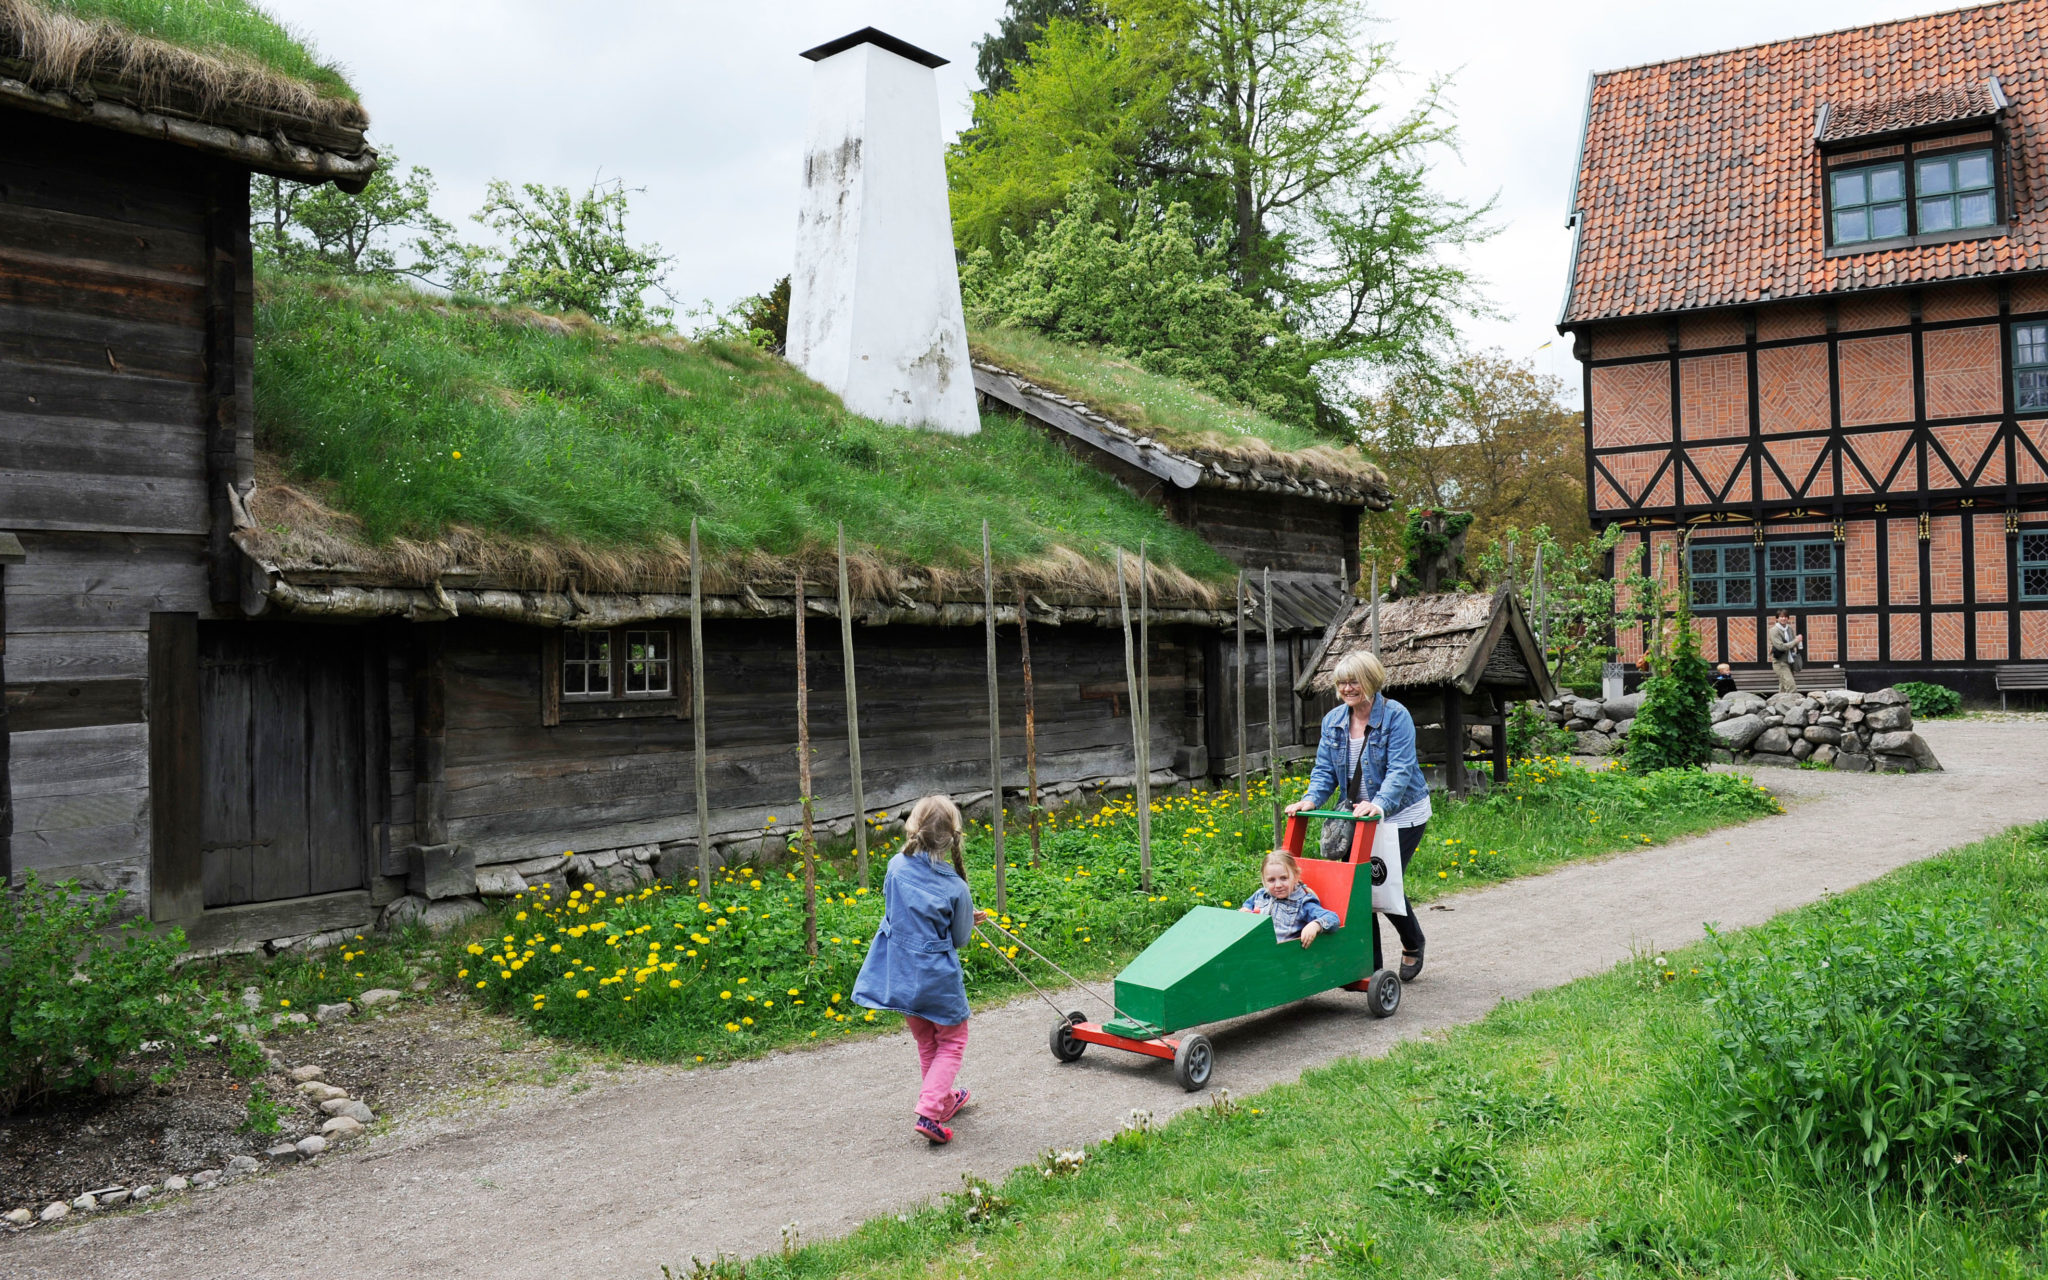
[[222, 64], [404, 438], [1171, 412]]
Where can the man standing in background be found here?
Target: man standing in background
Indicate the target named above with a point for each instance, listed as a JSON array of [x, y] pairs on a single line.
[[1786, 642]]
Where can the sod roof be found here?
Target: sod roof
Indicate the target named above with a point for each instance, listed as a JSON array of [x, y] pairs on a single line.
[[411, 442], [221, 76], [1222, 444]]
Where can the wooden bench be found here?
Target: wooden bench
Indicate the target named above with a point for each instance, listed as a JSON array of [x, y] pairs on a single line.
[[2022, 676], [1808, 680]]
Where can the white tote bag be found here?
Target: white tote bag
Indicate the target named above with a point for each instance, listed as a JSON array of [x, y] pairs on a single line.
[[1387, 895]]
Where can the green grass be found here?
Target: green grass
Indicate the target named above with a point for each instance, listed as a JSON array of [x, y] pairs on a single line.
[[1552, 1139], [738, 982], [611, 440], [235, 27], [1140, 400]]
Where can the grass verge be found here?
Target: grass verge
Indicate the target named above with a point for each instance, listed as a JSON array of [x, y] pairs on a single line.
[[655, 974], [1555, 1138]]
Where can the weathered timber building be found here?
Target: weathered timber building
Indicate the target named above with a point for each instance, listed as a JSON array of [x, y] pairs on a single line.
[[265, 727], [1810, 293]]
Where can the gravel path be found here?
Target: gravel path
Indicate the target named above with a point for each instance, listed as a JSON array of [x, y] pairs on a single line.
[[615, 1182]]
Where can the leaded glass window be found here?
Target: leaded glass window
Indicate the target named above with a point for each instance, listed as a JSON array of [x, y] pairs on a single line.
[[2030, 366], [2034, 564], [1799, 573], [1723, 575]]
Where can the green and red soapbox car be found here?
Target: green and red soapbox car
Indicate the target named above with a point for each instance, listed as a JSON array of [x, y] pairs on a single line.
[[1217, 963]]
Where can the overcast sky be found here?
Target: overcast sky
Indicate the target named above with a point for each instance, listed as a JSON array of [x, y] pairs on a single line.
[[702, 104]]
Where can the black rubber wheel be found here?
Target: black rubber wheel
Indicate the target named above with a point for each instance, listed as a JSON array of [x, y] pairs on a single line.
[[1193, 1062], [1383, 993], [1379, 871], [1064, 1046]]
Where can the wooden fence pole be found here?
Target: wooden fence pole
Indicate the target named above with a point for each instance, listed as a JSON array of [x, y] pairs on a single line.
[[1145, 703], [1030, 723], [860, 801], [697, 715], [1244, 791], [1123, 601], [1375, 609], [803, 773], [1272, 700], [1542, 611], [995, 723]]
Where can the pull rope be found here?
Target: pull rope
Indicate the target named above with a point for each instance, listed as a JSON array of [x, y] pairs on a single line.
[[1042, 958]]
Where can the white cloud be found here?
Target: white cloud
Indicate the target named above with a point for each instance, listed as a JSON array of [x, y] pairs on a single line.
[[703, 106]]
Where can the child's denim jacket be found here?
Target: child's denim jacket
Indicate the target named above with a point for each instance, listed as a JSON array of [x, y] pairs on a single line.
[[913, 964], [1292, 913]]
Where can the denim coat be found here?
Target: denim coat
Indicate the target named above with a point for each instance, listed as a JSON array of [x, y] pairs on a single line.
[[1390, 775], [913, 964]]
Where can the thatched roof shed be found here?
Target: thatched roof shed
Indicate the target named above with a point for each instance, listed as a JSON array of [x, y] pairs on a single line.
[[1455, 639], [230, 82]]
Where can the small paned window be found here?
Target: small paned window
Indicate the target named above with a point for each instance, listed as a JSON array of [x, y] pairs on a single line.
[[1869, 203], [2034, 564], [1955, 191], [586, 664], [2030, 366], [1799, 573], [1723, 575], [648, 664]]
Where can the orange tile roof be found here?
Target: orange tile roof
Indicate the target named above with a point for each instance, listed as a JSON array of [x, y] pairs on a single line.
[[1699, 184]]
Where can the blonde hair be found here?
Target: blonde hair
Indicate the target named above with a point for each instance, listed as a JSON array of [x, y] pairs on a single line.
[[1284, 858], [934, 827], [1361, 668]]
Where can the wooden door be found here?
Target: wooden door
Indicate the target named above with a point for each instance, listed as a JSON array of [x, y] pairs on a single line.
[[283, 762]]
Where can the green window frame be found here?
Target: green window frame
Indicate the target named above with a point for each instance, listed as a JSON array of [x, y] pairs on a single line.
[[1800, 574], [2034, 564], [1722, 575], [1868, 202], [1955, 191], [2030, 366]]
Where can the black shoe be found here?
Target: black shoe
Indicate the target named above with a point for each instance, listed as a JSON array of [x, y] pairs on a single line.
[[1411, 964]]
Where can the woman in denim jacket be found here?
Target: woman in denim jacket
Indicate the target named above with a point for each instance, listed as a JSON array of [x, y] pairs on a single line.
[[1367, 756]]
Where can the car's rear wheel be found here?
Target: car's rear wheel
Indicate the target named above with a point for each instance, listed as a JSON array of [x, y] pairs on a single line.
[[1383, 993]]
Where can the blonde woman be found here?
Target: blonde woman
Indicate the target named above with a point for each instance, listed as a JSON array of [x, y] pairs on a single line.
[[1367, 755], [913, 963]]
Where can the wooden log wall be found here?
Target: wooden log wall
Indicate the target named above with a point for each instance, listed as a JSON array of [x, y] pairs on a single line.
[[516, 789], [124, 287], [1262, 530]]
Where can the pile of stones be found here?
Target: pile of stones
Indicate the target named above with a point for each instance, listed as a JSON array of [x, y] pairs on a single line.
[[346, 1119], [1855, 731], [1838, 727]]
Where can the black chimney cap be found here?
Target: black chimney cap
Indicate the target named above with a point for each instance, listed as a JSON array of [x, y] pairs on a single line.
[[868, 35]]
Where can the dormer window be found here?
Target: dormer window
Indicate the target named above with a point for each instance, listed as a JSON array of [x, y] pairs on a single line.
[[1956, 191], [1870, 202], [1918, 169]]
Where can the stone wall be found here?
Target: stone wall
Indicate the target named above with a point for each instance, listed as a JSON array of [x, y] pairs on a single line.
[[1837, 727]]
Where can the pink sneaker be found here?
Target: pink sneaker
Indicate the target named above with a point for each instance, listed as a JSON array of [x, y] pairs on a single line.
[[932, 1131], [961, 1098]]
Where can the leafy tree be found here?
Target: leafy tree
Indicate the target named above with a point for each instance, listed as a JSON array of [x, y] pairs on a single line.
[[323, 230], [1263, 118], [765, 317], [565, 251], [1022, 25], [1487, 434], [1154, 295], [1675, 727], [1575, 610]]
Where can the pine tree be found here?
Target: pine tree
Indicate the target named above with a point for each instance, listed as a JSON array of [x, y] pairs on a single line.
[[1675, 727]]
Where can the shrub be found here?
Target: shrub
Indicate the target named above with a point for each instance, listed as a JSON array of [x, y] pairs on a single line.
[[80, 997], [1675, 728], [1930, 701], [1905, 1044]]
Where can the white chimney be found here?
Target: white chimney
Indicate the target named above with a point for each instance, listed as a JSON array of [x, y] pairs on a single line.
[[874, 301]]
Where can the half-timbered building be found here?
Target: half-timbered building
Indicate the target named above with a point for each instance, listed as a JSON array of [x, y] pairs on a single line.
[[1808, 292]]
